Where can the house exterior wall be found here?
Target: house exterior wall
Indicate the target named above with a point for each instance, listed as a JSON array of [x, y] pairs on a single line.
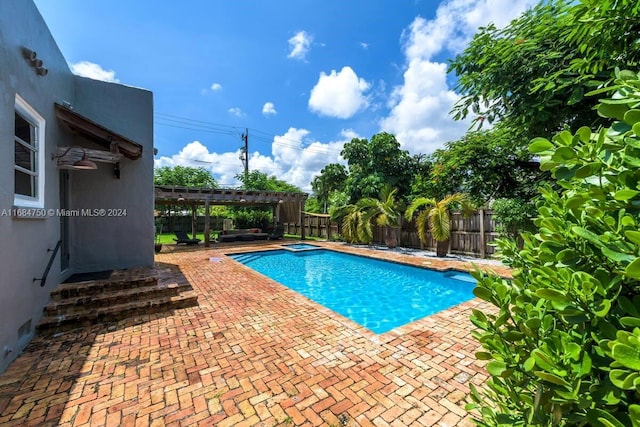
[[95, 243], [124, 237]]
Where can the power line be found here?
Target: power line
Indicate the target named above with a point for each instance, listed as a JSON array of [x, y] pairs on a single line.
[[209, 127], [194, 122]]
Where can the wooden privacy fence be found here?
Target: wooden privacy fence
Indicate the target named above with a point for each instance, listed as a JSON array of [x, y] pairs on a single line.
[[470, 235], [315, 226]]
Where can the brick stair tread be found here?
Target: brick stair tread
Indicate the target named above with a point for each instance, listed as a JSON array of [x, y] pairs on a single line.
[[184, 299], [142, 292], [92, 287]]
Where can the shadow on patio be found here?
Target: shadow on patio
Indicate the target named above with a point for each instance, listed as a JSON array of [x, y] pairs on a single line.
[[66, 377]]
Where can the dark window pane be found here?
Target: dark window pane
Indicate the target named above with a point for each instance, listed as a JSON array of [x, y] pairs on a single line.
[[24, 130], [25, 184], [24, 157]]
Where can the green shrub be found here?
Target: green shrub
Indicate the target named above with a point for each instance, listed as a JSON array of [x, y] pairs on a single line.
[[513, 216], [336, 238], [252, 218], [563, 346]]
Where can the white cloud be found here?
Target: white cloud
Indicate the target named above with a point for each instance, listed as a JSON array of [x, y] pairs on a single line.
[[224, 166], [236, 112], [339, 94], [300, 44], [93, 71], [419, 115], [300, 159], [216, 86], [269, 109], [364, 45], [294, 158]]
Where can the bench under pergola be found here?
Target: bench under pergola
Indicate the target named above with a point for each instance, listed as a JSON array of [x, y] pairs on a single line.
[[289, 206]]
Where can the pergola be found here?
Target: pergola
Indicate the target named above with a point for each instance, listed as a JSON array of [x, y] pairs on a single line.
[[290, 205]]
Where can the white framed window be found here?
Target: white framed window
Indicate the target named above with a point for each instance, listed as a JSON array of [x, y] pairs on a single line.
[[28, 156]]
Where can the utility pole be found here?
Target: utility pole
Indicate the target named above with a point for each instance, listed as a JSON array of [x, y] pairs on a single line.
[[245, 157]]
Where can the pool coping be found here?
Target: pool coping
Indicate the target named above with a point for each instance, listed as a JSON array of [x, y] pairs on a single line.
[[374, 254], [444, 272], [428, 263]]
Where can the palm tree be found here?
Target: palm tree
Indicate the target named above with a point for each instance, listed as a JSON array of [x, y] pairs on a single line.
[[358, 219], [385, 211], [352, 225], [434, 215]]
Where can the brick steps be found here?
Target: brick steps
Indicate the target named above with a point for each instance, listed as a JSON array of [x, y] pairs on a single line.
[[95, 287], [77, 305], [68, 306]]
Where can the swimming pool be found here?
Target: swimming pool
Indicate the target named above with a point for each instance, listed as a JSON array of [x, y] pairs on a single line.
[[377, 294]]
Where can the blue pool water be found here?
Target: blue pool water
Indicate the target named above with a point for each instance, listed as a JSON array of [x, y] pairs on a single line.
[[377, 294]]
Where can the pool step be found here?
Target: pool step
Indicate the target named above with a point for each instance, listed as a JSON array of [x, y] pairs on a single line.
[[245, 258], [462, 277]]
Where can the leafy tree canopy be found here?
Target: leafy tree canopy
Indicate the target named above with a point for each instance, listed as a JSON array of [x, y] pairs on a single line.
[[256, 180], [533, 74], [372, 164], [332, 178], [184, 176], [483, 165]]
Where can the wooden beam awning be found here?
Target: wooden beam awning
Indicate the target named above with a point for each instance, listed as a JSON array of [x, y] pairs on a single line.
[[98, 133], [67, 156]]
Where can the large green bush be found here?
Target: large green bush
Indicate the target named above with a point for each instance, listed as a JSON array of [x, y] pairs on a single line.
[[563, 345], [252, 218], [513, 216]]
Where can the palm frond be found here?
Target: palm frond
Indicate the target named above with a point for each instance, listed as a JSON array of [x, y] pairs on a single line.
[[350, 224], [452, 198], [418, 204], [387, 193], [340, 212], [382, 220], [458, 199], [367, 203], [365, 231], [439, 222], [369, 215], [422, 224]]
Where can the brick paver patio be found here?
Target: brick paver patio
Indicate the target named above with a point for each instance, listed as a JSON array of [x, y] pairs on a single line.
[[252, 353]]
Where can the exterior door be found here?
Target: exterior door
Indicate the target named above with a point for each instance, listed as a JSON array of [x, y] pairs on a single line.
[[64, 220]]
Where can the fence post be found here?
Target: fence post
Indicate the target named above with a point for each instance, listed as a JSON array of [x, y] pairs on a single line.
[[302, 221], [207, 222], [483, 251]]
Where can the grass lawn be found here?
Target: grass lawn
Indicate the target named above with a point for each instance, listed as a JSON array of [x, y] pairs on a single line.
[[168, 237], [297, 236]]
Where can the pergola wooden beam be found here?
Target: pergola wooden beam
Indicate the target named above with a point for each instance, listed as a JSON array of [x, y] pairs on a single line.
[[224, 196]]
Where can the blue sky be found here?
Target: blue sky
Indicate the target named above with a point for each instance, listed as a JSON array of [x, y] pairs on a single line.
[[302, 76]]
